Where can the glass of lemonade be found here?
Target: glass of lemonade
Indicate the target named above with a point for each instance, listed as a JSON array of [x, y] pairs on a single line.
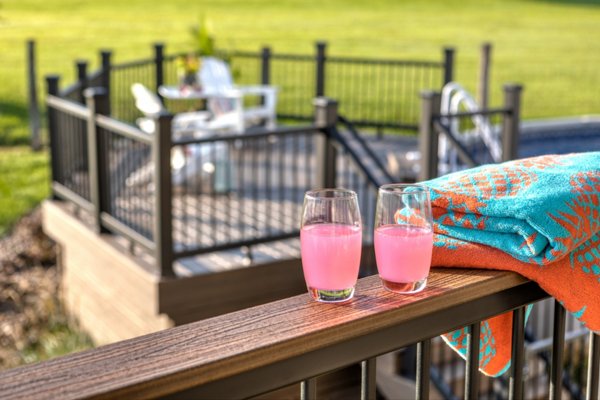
[[331, 243], [403, 237]]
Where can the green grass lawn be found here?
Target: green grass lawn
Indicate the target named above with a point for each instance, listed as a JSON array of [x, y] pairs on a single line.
[[23, 182], [549, 46]]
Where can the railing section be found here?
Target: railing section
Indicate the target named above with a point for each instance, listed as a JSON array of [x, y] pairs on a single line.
[[240, 190], [375, 93], [192, 195], [451, 142], [70, 166], [297, 340], [122, 77]]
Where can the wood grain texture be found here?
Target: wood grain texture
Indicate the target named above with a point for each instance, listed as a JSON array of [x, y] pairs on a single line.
[[198, 353]]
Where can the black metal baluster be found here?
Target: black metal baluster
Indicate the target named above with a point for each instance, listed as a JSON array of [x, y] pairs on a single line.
[[593, 367], [280, 168], [558, 343], [230, 184], [255, 185], [368, 386], [243, 187], [581, 361], [308, 389], [296, 192], [515, 389], [269, 186], [472, 364], [423, 367]]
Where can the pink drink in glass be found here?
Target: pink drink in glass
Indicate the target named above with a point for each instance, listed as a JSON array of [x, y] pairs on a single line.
[[403, 254], [330, 256]]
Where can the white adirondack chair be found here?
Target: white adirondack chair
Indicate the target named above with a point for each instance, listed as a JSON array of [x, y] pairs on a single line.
[[151, 106], [227, 99], [199, 166]]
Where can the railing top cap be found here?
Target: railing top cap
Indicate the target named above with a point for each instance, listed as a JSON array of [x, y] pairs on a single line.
[[199, 353]]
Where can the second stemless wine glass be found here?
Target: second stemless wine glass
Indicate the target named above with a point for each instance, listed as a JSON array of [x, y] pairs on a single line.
[[331, 243], [403, 237]]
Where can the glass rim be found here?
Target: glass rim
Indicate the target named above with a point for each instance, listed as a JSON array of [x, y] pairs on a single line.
[[339, 194], [400, 188]]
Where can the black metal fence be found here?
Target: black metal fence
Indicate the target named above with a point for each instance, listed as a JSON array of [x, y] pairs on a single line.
[[379, 94]]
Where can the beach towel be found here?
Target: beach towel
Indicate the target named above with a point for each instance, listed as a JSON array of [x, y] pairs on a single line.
[[539, 217]]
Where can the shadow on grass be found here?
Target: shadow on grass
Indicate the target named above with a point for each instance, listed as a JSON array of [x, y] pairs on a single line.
[[14, 124]]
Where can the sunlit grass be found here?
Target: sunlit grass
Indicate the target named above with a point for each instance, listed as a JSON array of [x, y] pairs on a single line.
[[23, 183]]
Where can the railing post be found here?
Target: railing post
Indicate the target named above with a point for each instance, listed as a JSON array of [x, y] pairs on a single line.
[[326, 116], [484, 75], [97, 104], [428, 136], [158, 62], [448, 64], [163, 191], [105, 56], [34, 111], [52, 82], [321, 58], [512, 122], [265, 70], [81, 71], [265, 76]]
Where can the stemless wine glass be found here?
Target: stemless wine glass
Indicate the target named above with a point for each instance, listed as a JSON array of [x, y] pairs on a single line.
[[403, 237], [331, 243]]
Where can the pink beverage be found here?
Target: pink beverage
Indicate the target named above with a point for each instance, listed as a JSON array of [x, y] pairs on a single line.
[[330, 255], [403, 255]]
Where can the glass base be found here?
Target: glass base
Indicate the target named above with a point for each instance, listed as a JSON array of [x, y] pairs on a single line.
[[331, 296], [405, 287]]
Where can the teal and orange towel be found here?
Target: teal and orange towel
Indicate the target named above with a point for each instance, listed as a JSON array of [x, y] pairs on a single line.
[[539, 217]]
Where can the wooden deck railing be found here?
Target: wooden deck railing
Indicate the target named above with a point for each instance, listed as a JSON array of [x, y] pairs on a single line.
[[263, 348]]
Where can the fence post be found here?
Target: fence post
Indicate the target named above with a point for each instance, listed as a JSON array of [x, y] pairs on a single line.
[[321, 57], [484, 74], [105, 56], [511, 125], [97, 103], [265, 70], [428, 136], [326, 116], [52, 82], [448, 64], [158, 62], [34, 111], [163, 191], [81, 68], [265, 76]]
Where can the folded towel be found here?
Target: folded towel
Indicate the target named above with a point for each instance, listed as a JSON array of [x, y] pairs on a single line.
[[539, 217]]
